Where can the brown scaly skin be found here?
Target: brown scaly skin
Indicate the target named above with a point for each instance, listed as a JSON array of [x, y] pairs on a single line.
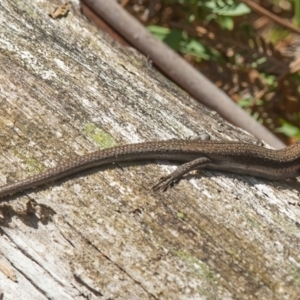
[[235, 157]]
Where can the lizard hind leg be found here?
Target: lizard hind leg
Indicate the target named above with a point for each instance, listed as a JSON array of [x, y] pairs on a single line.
[[174, 177]]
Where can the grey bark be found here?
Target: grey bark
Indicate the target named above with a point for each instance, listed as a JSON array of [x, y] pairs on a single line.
[[67, 89], [179, 70]]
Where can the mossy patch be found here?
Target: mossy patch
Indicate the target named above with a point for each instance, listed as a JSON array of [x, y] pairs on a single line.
[[99, 136], [34, 165]]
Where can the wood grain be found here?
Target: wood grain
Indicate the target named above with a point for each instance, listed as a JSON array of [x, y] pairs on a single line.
[[67, 89]]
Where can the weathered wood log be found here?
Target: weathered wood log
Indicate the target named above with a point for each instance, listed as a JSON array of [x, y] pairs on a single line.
[[66, 90]]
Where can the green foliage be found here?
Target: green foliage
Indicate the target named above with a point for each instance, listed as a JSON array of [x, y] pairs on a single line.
[[247, 102], [212, 9], [288, 129], [227, 8], [222, 11], [237, 57], [179, 41], [247, 105], [297, 12]]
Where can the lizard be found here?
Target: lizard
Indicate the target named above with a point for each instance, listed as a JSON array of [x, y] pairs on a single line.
[[195, 154]]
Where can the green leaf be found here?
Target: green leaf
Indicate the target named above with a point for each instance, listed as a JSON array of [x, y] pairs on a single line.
[[235, 10], [245, 102], [226, 22], [159, 32], [195, 46], [228, 8], [288, 129], [173, 39]]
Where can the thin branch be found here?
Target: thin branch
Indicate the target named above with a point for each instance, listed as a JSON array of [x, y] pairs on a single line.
[[178, 69], [260, 10]]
